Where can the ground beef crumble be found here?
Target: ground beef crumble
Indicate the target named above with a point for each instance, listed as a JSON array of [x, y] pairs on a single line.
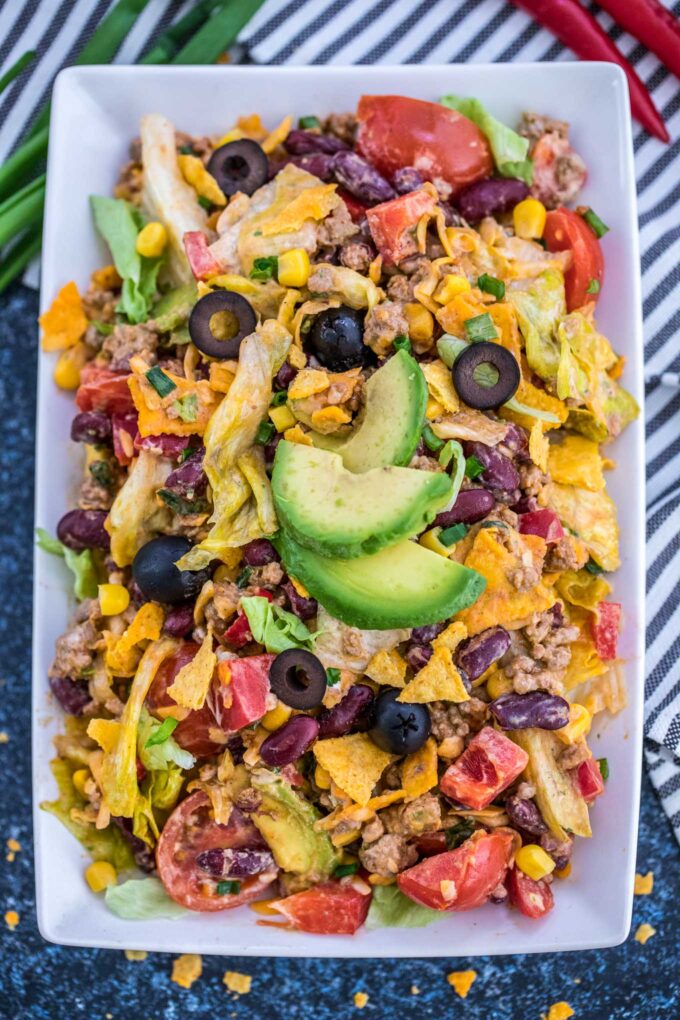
[[565, 554], [127, 340], [548, 653], [343, 126], [76, 648], [387, 856], [383, 325], [424, 814]]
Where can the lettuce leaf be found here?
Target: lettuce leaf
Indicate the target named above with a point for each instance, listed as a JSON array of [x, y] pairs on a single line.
[[391, 909], [508, 148], [275, 628], [162, 754], [135, 516], [119, 223], [141, 899], [81, 564], [540, 306]]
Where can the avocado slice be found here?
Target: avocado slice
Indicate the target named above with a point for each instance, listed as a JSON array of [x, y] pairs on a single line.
[[403, 586], [286, 821], [337, 513], [389, 429]]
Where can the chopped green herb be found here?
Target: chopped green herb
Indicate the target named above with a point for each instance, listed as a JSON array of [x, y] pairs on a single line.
[[595, 223], [228, 887], [480, 327], [603, 764], [493, 524], [103, 328], [186, 453], [181, 506], [305, 123], [264, 268], [402, 343], [244, 577], [449, 536], [593, 287], [432, 442], [102, 473], [446, 454], [491, 285], [279, 398], [594, 568], [186, 150], [265, 431], [205, 203], [164, 731], [332, 676], [162, 383], [473, 467], [187, 407], [459, 832], [346, 869]]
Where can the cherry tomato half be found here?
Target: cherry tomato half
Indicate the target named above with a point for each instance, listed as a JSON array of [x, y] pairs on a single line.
[[566, 230], [533, 899], [103, 390], [332, 908], [193, 731]]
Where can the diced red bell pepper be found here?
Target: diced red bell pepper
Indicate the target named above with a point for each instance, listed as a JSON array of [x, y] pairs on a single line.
[[201, 260], [103, 390], [331, 908], [126, 423], [588, 780], [238, 696], [544, 523], [533, 899], [489, 763], [605, 629], [355, 208], [393, 224]]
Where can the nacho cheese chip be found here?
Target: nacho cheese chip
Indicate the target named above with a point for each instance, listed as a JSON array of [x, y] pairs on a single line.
[[354, 763], [438, 680], [191, 684], [539, 446], [440, 385], [64, 322], [387, 667], [313, 203], [419, 771], [121, 658], [591, 516], [105, 732], [451, 637], [575, 460], [186, 969]]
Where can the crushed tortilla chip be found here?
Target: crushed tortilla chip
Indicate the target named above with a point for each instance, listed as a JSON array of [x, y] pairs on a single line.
[[354, 762], [221, 377], [307, 383], [644, 884], [277, 136], [199, 178], [560, 1011], [575, 460], [64, 322], [186, 969], [433, 409], [155, 420], [438, 680], [644, 933], [106, 278], [581, 588], [329, 419], [11, 919], [135, 955], [313, 203], [461, 981], [419, 770], [105, 732], [440, 385], [360, 999], [4, 737], [297, 434], [539, 446], [236, 982], [357, 812], [451, 637], [190, 687], [121, 657], [387, 667]]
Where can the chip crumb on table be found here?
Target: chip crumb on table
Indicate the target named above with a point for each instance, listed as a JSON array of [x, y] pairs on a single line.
[[237, 982], [559, 1011], [644, 933], [461, 981], [135, 955], [415, 990], [186, 969], [4, 737], [360, 999], [13, 848], [644, 884], [11, 919]]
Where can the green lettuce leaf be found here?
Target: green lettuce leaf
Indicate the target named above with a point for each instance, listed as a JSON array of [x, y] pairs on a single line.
[[119, 224], [81, 564], [540, 306], [449, 347], [141, 899], [391, 909], [159, 755], [275, 628], [508, 148]]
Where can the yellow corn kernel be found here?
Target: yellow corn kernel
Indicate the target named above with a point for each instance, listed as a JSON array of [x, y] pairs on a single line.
[[322, 778], [420, 321], [564, 872], [450, 287], [578, 725], [298, 435], [528, 218], [560, 1011], [113, 599], [68, 366], [151, 240], [498, 684], [293, 269], [100, 876], [282, 417], [430, 540], [276, 717], [79, 778], [534, 861]]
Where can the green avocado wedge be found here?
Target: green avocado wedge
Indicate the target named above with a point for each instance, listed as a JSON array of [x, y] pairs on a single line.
[[334, 512], [389, 429], [402, 586]]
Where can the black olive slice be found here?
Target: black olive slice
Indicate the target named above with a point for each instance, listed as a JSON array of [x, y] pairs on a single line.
[[201, 316], [337, 338], [298, 678], [239, 166], [485, 375]]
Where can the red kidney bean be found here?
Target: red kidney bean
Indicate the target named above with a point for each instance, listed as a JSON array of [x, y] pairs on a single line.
[[179, 621], [145, 859], [240, 863], [351, 715], [516, 439], [499, 471], [167, 445], [72, 695], [318, 163], [83, 529], [557, 612], [290, 742], [303, 607], [536, 709], [524, 814], [361, 179], [418, 656], [284, 376], [559, 850], [526, 505], [423, 635], [189, 480], [479, 652], [471, 505], [406, 179], [486, 198], [300, 143], [91, 427], [259, 552]]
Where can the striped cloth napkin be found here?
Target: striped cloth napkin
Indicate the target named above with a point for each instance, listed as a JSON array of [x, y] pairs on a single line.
[[455, 31]]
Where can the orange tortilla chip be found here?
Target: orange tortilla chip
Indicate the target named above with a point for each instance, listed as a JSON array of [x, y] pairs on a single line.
[[354, 763], [387, 668], [156, 420], [419, 771], [190, 687], [106, 733], [438, 680], [64, 322], [121, 658]]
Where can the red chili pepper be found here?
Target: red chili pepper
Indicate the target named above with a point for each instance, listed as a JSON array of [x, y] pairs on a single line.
[[577, 29], [650, 23]]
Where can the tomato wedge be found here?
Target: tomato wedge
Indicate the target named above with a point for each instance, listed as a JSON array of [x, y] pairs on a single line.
[[446, 147], [332, 908], [238, 695], [193, 732], [190, 831], [533, 899], [103, 390], [605, 628], [566, 230], [489, 763], [464, 878], [392, 224], [588, 779]]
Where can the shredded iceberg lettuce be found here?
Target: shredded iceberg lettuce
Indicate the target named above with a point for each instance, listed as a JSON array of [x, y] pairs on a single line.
[[135, 516], [141, 899], [275, 628], [81, 564]]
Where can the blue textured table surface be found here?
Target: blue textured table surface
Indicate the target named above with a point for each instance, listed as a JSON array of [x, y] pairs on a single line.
[[45, 982]]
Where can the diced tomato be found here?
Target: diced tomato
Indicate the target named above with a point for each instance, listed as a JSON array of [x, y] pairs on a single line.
[[392, 224], [355, 208], [588, 780], [332, 908], [605, 629], [292, 775], [566, 230], [201, 260], [124, 423], [464, 878], [545, 523], [446, 147], [533, 899], [191, 830], [489, 763], [103, 390], [166, 445], [238, 695], [196, 729], [238, 634]]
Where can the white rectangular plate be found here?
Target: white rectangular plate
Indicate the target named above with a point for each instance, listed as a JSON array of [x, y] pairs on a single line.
[[95, 115]]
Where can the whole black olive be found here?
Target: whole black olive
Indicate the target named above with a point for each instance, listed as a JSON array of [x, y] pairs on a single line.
[[485, 375], [200, 328], [239, 166], [298, 678], [399, 728], [154, 570], [337, 338]]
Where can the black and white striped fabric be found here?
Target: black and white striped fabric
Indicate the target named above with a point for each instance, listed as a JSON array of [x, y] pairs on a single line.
[[448, 31]]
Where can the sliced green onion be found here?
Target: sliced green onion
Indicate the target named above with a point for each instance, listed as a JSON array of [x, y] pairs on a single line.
[[21, 210], [346, 869], [26, 247], [459, 832], [102, 474], [332, 676], [594, 568], [218, 33], [593, 287], [264, 268], [480, 327], [604, 768], [531, 412], [449, 536], [228, 887], [446, 453], [164, 731], [244, 577], [402, 343], [449, 347], [162, 383], [16, 69], [265, 431], [279, 398], [491, 285], [473, 467], [459, 473], [595, 223], [432, 442], [205, 203], [16, 168], [304, 123], [178, 34]]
